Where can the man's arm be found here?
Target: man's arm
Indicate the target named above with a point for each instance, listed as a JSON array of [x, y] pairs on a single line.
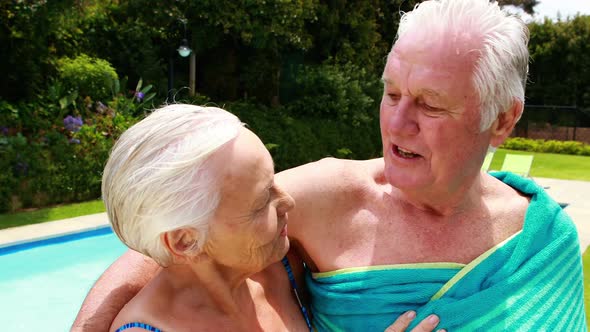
[[325, 192], [117, 285]]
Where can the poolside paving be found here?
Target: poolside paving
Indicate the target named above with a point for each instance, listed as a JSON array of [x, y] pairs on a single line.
[[23, 234], [574, 193], [577, 195]]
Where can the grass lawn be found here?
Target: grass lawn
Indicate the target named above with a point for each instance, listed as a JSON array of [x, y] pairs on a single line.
[[550, 165], [49, 214], [586, 262]]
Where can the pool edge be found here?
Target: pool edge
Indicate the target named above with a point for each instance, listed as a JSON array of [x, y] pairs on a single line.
[[15, 236], [21, 245]]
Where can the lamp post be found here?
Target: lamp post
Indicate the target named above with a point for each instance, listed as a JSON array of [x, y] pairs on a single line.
[[183, 50]]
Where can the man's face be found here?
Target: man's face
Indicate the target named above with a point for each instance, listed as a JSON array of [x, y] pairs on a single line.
[[429, 114]]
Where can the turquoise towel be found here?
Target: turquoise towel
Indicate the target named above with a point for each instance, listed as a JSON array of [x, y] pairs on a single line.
[[530, 282]]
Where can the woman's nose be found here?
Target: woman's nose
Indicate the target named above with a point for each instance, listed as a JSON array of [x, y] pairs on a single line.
[[286, 203]]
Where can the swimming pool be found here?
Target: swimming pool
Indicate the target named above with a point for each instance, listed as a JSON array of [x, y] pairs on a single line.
[[43, 284]]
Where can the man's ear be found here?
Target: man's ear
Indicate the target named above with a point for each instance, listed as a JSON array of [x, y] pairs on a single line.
[[180, 243], [504, 124]]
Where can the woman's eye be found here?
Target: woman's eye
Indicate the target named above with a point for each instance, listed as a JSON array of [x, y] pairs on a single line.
[[271, 191]]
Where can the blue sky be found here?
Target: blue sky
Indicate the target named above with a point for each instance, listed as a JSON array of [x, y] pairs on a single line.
[[550, 8]]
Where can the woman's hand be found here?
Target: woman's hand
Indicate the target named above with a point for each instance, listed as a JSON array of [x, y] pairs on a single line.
[[403, 321]]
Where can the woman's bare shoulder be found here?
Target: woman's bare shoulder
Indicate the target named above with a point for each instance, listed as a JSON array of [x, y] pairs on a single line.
[[166, 316], [156, 304]]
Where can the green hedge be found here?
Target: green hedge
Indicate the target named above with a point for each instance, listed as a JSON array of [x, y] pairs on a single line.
[[547, 146], [296, 140], [56, 165]]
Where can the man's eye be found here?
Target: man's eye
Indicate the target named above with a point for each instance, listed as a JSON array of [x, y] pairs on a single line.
[[431, 110], [393, 96]]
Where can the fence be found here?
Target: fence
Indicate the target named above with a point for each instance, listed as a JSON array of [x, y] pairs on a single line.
[[562, 123]]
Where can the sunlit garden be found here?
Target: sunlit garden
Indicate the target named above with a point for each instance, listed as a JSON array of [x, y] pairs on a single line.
[[304, 75]]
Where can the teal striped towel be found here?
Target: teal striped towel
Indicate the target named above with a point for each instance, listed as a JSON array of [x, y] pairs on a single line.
[[530, 282]]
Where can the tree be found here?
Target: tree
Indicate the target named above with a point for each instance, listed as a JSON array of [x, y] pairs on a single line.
[[29, 31], [560, 62], [527, 5]]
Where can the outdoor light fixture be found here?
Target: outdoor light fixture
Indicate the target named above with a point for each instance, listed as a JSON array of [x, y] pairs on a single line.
[[184, 50]]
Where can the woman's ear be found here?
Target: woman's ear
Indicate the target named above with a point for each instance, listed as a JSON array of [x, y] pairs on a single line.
[[180, 243], [504, 124]]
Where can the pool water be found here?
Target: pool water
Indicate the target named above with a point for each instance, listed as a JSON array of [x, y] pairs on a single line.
[[43, 285]]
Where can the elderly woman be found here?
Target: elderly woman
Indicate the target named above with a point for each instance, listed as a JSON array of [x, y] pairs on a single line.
[[194, 190], [191, 188]]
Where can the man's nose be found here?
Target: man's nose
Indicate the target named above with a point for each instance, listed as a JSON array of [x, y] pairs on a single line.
[[401, 119]]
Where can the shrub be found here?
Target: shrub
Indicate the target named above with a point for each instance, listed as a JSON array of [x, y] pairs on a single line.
[[59, 164], [88, 76], [293, 141], [344, 92], [549, 146], [62, 161]]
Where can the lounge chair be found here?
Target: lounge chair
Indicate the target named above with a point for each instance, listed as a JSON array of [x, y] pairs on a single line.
[[487, 162], [518, 164]]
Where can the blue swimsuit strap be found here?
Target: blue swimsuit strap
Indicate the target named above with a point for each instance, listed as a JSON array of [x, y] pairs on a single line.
[[140, 325], [287, 266]]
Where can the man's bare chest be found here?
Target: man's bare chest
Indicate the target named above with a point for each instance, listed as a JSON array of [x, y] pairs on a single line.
[[368, 238]]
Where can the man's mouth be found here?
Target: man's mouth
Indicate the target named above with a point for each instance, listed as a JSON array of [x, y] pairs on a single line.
[[404, 153]]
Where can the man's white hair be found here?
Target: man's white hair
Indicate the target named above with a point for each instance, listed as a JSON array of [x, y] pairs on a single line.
[[157, 177], [500, 72]]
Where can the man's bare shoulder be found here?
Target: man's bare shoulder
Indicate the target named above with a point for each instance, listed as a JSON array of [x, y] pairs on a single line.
[[507, 205], [325, 192], [330, 174]]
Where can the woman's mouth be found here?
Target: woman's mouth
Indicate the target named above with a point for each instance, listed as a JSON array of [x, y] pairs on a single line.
[[284, 231]]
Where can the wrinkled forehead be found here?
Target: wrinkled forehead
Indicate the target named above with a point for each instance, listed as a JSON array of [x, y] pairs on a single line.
[[439, 49], [423, 64], [245, 159]]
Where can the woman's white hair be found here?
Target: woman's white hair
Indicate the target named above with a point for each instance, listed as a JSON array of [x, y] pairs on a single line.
[[157, 178], [500, 73]]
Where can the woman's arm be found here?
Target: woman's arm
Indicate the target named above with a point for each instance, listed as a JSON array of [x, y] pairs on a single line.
[[117, 285]]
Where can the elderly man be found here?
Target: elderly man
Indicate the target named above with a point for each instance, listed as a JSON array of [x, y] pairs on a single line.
[[423, 228]]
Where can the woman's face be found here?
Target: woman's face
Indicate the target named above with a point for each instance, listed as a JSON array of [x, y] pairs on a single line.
[[249, 228]]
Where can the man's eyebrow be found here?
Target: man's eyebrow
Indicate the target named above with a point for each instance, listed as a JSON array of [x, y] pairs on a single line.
[[386, 80], [430, 93]]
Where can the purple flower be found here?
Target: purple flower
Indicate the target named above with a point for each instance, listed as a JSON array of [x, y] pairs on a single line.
[[139, 95], [4, 131], [100, 107], [73, 124], [74, 141]]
